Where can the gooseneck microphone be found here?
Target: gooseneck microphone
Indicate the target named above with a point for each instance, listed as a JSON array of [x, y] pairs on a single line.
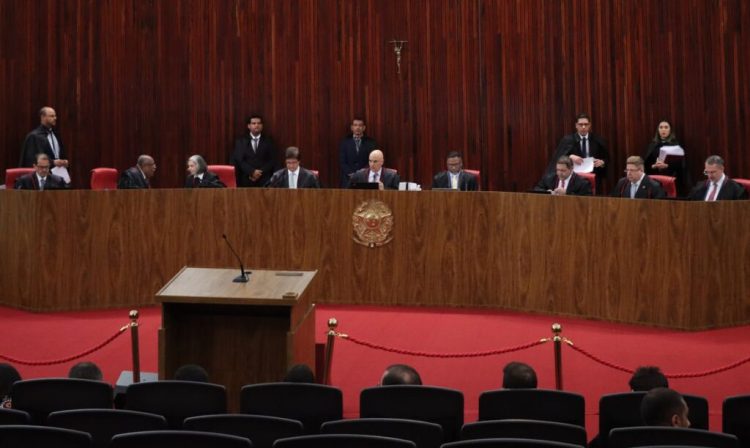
[[242, 278]]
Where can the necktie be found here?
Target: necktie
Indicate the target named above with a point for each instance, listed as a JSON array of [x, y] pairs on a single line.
[[255, 144], [712, 195], [293, 180], [585, 147], [562, 184], [53, 144], [357, 143], [42, 181], [633, 190], [374, 177]]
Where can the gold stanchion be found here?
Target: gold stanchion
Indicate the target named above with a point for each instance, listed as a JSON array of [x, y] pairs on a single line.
[[134, 346], [332, 324], [557, 341]]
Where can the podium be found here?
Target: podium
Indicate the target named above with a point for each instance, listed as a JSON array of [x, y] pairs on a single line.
[[242, 333]]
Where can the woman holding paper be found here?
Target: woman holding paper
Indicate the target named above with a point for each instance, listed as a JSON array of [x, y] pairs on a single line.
[[666, 157]]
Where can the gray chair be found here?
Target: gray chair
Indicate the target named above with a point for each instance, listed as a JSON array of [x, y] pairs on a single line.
[[423, 434], [103, 424], [525, 429], [262, 430]]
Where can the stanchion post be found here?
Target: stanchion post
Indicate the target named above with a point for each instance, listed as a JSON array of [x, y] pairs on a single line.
[[331, 337], [134, 346], [557, 342]]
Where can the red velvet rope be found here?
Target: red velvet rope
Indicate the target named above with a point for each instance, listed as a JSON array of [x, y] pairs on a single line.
[[441, 355], [69, 358]]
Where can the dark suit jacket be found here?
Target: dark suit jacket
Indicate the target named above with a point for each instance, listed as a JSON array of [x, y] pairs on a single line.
[[245, 160], [466, 181], [210, 180], [35, 143], [132, 178], [30, 182], [307, 179], [730, 191], [571, 145], [648, 189], [677, 166], [389, 178], [577, 186], [351, 160]]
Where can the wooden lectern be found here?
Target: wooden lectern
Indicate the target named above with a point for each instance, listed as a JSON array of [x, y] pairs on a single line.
[[242, 333]]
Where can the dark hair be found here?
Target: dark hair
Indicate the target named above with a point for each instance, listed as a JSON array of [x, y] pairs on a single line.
[[646, 378], [86, 371], [191, 372], [292, 152], [299, 373], [249, 119], [715, 160], [400, 374], [671, 138], [8, 376], [453, 154], [356, 118], [659, 405], [565, 160], [517, 375], [583, 115]]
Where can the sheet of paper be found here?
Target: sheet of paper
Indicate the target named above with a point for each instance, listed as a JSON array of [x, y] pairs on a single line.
[[409, 186], [675, 150], [62, 172], [586, 167]]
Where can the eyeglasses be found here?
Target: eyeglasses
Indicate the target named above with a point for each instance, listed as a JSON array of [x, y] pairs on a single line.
[[708, 173]]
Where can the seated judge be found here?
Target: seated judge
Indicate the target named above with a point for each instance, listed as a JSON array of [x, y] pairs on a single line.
[[564, 181], [636, 184], [138, 176], [675, 166], [293, 176], [199, 176], [40, 178], [717, 186], [384, 177], [455, 177]]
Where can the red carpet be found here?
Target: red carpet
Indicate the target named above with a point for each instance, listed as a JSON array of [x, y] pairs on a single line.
[[41, 337]]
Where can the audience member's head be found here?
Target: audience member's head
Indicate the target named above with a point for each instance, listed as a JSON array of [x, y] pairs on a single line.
[[86, 371], [8, 376], [299, 373], [646, 378], [664, 407], [191, 372], [517, 375], [400, 374]]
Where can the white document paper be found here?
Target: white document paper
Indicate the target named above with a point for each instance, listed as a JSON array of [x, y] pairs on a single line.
[[586, 167], [62, 172], [409, 186], [675, 150]]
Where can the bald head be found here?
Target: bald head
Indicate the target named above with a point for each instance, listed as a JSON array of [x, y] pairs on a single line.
[[47, 117], [147, 165], [376, 160]]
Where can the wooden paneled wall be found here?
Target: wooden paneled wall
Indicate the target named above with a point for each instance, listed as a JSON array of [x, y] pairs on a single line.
[[675, 264], [499, 79]]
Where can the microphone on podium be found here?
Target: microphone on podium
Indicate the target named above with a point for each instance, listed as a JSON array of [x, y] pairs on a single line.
[[242, 278]]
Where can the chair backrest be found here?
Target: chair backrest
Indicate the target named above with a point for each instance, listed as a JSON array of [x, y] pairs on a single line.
[[661, 435], [735, 417], [745, 184], [624, 410], [525, 429], [508, 443], [180, 439], [103, 424], [11, 174], [591, 177], [315, 172], [533, 404], [226, 174], [41, 396], [312, 404], [42, 436], [430, 404], [262, 430], [342, 441], [104, 179], [423, 434], [176, 400], [14, 417], [668, 183], [478, 175]]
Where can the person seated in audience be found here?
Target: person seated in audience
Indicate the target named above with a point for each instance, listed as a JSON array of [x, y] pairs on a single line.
[[199, 176], [564, 181], [717, 186], [299, 373], [8, 376], [646, 378], [636, 184], [400, 374], [455, 177], [191, 372], [664, 407], [376, 173], [40, 178], [293, 176], [138, 176], [518, 375], [86, 371], [655, 163]]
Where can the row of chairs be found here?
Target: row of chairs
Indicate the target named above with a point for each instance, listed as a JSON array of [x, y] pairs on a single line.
[[314, 404]]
